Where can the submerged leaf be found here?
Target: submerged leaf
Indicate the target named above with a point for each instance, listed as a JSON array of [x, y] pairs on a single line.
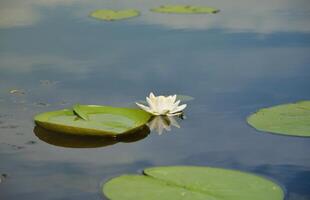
[[287, 119], [192, 183], [185, 9], [111, 15]]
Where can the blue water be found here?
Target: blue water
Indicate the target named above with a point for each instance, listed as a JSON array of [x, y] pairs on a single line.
[[250, 55]]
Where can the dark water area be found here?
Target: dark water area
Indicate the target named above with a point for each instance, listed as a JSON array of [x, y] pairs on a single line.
[[248, 56]]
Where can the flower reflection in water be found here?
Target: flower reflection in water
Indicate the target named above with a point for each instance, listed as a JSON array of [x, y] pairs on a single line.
[[163, 123]]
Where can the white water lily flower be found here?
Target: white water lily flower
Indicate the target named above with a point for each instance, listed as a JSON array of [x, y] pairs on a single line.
[[162, 123], [163, 105]]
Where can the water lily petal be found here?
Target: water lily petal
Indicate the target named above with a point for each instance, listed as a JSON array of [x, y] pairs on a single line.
[[174, 105], [152, 96], [174, 97], [151, 104], [162, 105], [143, 107], [179, 108], [174, 114], [177, 103]]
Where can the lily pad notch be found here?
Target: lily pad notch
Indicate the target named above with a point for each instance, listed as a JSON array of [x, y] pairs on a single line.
[[114, 15], [185, 9], [192, 183], [291, 119]]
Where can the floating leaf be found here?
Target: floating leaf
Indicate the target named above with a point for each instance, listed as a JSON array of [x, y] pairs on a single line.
[[111, 15], [192, 183], [185, 9], [78, 141], [103, 120], [287, 119]]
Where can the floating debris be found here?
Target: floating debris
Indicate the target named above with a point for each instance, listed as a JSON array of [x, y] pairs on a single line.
[[3, 177], [31, 142], [63, 102], [48, 82], [15, 147], [41, 104], [9, 126], [17, 92]]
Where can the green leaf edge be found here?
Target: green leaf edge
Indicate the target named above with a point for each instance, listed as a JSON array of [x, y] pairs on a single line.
[[249, 120]]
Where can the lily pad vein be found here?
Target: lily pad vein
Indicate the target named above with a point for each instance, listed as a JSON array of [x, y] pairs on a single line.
[[173, 184]]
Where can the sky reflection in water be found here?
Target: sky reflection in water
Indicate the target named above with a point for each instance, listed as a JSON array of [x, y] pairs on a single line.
[[250, 55]]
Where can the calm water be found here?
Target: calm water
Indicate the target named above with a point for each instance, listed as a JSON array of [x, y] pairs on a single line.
[[252, 54]]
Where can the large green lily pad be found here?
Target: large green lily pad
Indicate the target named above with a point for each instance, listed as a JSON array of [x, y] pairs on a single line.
[[111, 15], [185, 9], [287, 119], [192, 183], [95, 120]]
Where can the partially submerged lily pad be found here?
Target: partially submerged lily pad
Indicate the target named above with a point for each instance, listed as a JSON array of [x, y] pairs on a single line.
[[287, 119], [185, 9], [192, 183], [102, 120], [111, 15]]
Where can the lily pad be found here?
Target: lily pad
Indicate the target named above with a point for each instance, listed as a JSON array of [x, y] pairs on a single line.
[[102, 120], [185, 9], [111, 15], [192, 183], [79, 141], [287, 119]]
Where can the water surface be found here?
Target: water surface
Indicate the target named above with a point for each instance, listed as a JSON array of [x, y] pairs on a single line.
[[250, 55]]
